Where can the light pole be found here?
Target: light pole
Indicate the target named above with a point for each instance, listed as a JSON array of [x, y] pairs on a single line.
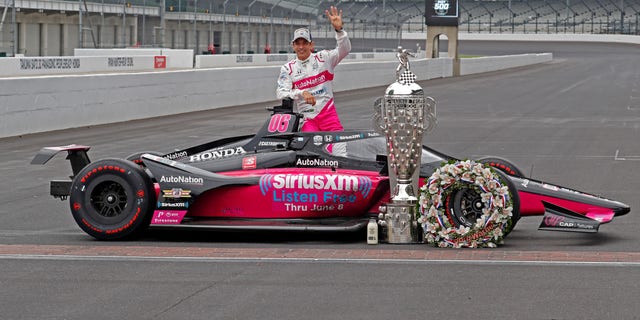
[[144, 9], [14, 28], [224, 25], [249, 25], [271, 17], [621, 16], [124, 23], [195, 25], [80, 33], [162, 23]]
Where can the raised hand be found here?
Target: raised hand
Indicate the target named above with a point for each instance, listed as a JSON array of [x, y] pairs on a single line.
[[335, 17]]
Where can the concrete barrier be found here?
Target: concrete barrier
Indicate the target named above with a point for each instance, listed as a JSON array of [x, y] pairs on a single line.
[[29, 66], [487, 64], [176, 58], [45, 103], [243, 60], [98, 60]]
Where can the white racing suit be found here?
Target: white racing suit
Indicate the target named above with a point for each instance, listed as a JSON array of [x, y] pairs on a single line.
[[315, 75]]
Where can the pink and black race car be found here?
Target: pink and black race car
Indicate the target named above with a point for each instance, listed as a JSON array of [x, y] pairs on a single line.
[[282, 179]]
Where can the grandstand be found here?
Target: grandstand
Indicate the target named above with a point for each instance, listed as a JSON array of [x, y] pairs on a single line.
[[54, 27]]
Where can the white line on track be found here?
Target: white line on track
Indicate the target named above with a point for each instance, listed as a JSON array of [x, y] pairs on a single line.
[[318, 260], [573, 86], [617, 157]]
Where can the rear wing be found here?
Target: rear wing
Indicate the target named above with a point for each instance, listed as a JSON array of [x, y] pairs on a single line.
[[76, 154]]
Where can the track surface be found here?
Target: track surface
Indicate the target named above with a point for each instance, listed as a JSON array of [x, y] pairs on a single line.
[[573, 122]]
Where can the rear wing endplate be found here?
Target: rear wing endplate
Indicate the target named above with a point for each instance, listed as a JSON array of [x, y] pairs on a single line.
[[76, 154]]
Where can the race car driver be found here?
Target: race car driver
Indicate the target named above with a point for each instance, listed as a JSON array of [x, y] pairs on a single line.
[[308, 78]]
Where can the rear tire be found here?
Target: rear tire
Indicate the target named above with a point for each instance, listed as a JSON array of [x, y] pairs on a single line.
[[503, 165], [112, 199]]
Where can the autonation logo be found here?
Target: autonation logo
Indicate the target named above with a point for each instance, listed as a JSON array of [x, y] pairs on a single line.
[[182, 179], [334, 182]]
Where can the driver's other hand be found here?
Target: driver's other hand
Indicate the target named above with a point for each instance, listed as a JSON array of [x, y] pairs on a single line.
[[309, 98]]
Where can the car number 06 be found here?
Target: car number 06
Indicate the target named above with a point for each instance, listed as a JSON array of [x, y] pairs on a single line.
[[279, 123]]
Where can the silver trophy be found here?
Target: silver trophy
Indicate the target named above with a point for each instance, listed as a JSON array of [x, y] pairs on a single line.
[[403, 115]]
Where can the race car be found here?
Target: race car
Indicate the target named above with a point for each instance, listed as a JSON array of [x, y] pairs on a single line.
[[283, 179]]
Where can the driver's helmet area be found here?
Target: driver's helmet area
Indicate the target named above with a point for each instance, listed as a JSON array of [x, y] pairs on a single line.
[[368, 149]]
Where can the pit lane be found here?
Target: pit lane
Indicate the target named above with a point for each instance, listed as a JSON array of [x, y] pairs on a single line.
[[572, 122]]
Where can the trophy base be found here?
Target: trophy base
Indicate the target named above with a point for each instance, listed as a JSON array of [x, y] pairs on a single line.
[[401, 224]]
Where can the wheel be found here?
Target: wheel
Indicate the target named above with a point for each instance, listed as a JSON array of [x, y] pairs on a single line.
[[468, 204], [504, 165], [510, 169], [465, 205], [112, 199]]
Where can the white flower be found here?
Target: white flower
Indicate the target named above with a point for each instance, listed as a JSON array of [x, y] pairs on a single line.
[[431, 228], [508, 211], [448, 181], [423, 202], [486, 172], [498, 202], [433, 212], [433, 188]]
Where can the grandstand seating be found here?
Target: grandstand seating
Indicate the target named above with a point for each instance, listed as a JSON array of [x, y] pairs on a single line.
[[246, 25]]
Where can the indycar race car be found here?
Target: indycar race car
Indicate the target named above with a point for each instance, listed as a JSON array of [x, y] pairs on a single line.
[[283, 179]]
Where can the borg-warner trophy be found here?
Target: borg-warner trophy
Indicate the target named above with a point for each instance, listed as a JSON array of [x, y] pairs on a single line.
[[403, 115]]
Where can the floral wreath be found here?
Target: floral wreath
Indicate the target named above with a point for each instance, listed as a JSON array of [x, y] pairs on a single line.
[[438, 225]]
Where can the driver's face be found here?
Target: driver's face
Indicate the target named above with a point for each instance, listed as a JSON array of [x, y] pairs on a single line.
[[302, 48]]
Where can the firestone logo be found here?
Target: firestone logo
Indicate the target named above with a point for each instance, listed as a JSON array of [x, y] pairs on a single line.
[[334, 182]]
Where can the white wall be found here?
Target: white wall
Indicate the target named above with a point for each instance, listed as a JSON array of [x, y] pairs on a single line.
[[45, 103], [97, 60]]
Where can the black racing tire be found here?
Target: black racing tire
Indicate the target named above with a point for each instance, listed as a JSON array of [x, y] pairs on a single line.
[[112, 199], [503, 165], [465, 205], [507, 168]]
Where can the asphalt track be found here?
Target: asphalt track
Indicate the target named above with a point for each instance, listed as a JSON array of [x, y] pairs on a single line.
[[574, 122]]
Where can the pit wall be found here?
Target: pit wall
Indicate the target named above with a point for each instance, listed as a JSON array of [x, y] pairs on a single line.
[[98, 61], [33, 104]]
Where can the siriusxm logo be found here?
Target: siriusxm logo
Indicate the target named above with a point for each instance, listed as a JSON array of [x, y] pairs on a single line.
[[333, 182]]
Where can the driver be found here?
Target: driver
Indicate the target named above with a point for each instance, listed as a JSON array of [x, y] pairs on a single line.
[[308, 78]]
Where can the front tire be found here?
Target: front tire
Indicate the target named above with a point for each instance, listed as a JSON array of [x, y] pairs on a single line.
[[468, 204], [465, 205], [112, 199]]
